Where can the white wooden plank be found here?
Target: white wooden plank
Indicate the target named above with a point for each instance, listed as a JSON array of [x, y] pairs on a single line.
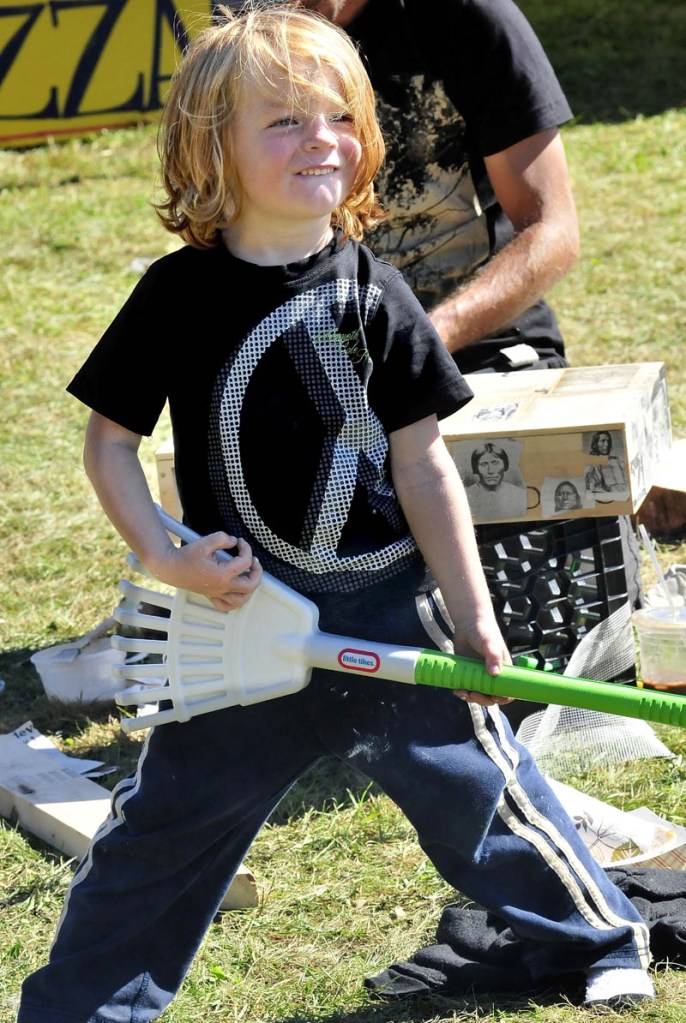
[[65, 809]]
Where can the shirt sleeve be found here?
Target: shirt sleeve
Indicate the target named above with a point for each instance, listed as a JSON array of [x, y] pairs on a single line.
[[124, 377], [414, 375], [495, 70]]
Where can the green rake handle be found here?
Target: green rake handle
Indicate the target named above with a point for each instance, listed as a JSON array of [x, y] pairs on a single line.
[[454, 672]]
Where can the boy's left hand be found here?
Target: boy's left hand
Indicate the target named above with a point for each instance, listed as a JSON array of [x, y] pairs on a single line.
[[487, 644]]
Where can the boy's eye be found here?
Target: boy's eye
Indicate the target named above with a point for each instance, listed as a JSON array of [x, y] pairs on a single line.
[[290, 120]]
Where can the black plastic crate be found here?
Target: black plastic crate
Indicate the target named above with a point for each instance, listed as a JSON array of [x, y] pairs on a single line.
[[553, 582]]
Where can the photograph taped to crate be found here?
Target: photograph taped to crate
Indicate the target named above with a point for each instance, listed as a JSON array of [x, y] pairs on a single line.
[[561, 496], [492, 477], [606, 473]]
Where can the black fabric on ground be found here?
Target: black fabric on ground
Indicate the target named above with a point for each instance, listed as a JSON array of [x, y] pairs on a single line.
[[476, 951]]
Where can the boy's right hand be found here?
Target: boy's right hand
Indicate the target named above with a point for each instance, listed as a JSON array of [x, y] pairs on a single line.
[[114, 469], [226, 582]]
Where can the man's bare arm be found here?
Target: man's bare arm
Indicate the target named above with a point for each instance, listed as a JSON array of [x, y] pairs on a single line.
[[531, 182]]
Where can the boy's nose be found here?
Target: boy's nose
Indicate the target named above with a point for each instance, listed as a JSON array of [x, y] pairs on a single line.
[[320, 134]]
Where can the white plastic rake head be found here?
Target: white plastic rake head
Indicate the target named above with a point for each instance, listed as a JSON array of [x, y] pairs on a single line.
[[211, 659]]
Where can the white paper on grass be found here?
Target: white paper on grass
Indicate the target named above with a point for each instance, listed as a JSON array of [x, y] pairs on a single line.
[[35, 740]]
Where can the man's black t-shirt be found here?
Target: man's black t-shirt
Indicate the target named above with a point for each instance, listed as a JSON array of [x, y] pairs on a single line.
[[283, 384], [456, 80]]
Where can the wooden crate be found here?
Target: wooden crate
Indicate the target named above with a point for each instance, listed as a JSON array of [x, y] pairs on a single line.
[[561, 443]]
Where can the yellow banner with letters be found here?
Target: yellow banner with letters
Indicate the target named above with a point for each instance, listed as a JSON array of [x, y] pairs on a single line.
[[72, 67]]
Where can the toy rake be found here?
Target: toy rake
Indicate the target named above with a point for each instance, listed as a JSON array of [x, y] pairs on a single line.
[[268, 648]]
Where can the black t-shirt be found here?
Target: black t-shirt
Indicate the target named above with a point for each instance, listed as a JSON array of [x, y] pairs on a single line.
[[283, 384], [456, 80]]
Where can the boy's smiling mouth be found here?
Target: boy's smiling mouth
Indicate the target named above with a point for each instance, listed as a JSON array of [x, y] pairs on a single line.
[[313, 171]]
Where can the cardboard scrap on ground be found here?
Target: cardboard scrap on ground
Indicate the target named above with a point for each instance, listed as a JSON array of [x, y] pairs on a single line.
[[620, 838], [47, 794], [48, 797]]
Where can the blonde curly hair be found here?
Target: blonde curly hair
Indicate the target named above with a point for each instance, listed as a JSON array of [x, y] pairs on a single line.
[[259, 47]]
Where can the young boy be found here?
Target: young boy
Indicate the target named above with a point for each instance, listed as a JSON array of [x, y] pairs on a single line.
[[305, 385]]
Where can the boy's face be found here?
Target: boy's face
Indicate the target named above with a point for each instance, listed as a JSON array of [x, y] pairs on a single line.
[[292, 165]]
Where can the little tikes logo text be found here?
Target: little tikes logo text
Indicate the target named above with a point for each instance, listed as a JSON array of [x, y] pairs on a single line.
[[359, 660]]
